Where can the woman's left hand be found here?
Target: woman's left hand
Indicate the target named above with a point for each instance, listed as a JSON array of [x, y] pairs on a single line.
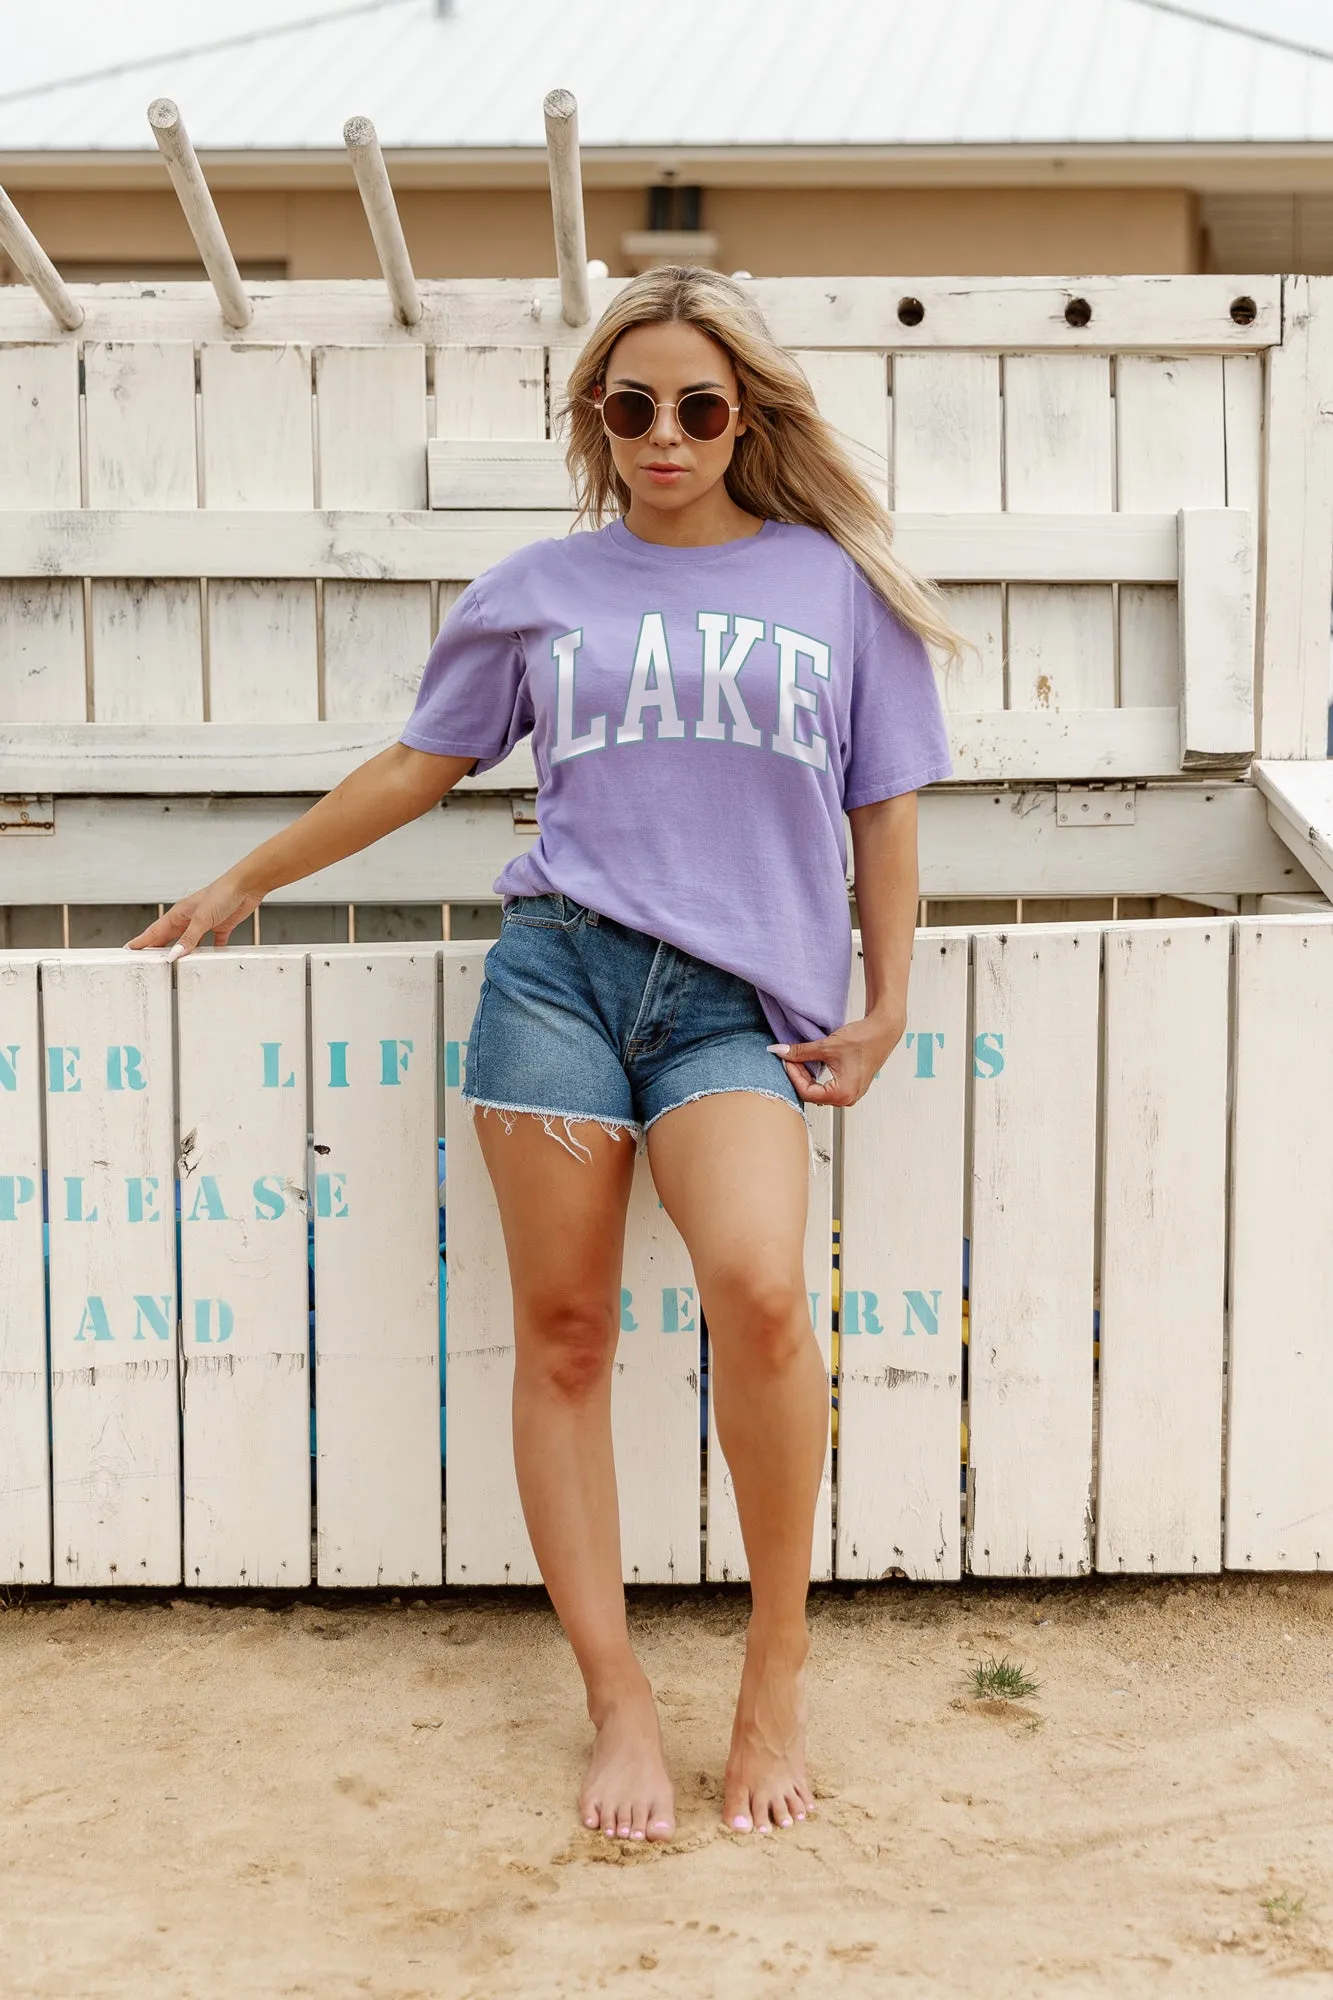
[[853, 1055]]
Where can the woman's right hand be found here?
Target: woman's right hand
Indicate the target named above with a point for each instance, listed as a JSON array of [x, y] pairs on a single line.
[[218, 908]]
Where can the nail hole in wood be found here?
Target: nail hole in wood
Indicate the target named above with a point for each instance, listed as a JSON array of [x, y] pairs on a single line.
[[1078, 313], [1244, 311], [911, 312]]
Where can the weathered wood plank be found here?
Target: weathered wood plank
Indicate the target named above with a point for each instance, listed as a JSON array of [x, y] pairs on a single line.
[[1034, 1125], [900, 1356], [41, 618], [241, 1019], [1058, 419], [947, 459], [1298, 526], [1170, 452], [258, 455], [1186, 838], [852, 391], [25, 1459], [1279, 1502], [1163, 1245], [1004, 745], [377, 1267], [1217, 610], [146, 637], [114, 1372], [371, 429], [1149, 314], [400, 547], [1299, 798]]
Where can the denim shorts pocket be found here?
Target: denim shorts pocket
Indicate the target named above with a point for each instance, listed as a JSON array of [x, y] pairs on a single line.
[[552, 911]]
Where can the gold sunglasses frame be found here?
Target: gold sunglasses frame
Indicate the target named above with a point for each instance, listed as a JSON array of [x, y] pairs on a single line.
[[598, 400]]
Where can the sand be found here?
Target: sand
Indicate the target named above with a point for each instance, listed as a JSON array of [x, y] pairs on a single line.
[[373, 1796]]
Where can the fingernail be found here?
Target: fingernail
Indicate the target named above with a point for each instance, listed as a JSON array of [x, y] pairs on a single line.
[[741, 1825], [779, 1048]]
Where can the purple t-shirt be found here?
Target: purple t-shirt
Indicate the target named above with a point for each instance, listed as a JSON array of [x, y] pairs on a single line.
[[701, 718]]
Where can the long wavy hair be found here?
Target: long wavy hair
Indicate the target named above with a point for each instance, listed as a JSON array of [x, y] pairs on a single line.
[[789, 465]]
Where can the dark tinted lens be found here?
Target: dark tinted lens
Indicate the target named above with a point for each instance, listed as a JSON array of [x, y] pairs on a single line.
[[628, 413], [703, 414]]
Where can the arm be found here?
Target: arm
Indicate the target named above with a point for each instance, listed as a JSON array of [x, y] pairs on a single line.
[[385, 792], [885, 870]]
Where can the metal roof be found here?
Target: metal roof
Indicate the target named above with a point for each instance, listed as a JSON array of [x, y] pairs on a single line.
[[702, 74]]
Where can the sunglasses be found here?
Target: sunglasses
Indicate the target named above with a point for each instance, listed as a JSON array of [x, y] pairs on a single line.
[[631, 413]]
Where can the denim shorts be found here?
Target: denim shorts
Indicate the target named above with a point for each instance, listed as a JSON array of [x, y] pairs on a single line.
[[581, 1017]]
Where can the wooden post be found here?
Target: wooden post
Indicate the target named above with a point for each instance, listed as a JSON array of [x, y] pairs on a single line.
[[187, 177], [386, 228], [33, 264], [571, 245]]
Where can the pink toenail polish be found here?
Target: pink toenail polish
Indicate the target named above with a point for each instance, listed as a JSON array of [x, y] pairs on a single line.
[[637, 1834], [741, 1825], [786, 1822]]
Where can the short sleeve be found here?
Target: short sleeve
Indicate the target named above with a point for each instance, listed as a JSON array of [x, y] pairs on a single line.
[[898, 739], [473, 700]]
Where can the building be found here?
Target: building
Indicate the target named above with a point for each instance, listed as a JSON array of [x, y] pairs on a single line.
[[774, 136]]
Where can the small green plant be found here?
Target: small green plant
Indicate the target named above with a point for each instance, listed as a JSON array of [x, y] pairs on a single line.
[[1001, 1680], [1283, 1909]]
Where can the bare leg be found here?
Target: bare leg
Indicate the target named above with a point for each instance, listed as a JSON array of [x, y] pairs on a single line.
[[733, 1174], [564, 1227]]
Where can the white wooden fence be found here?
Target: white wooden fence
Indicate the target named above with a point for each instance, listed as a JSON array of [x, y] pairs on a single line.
[[1126, 1121], [231, 518]]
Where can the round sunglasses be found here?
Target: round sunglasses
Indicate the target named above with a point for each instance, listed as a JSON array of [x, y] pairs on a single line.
[[631, 413]]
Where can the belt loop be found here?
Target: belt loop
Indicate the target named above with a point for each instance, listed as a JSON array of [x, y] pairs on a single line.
[[594, 916]]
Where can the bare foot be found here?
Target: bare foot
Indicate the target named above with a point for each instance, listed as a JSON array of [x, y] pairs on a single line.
[[627, 1792], [766, 1785]]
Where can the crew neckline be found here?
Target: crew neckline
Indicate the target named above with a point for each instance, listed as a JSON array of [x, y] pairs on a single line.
[[705, 552]]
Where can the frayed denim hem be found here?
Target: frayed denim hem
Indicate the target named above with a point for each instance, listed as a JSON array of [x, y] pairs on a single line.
[[508, 1112]]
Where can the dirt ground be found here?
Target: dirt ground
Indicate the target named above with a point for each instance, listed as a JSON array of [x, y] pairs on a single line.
[[209, 1798]]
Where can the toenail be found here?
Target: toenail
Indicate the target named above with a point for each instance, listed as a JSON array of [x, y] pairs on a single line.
[[623, 1831], [786, 1822], [661, 1826], [765, 1828], [741, 1824], [590, 1822], [637, 1833], [800, 1815]]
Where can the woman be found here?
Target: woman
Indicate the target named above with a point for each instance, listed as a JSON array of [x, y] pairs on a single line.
[[710, 681]]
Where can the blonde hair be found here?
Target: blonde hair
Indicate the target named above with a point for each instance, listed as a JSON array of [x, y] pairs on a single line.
[[788, 465]]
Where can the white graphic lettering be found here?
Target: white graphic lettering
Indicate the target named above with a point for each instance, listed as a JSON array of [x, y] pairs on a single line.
[[791, 696], [567, 744], [651, 656], [720, 678]]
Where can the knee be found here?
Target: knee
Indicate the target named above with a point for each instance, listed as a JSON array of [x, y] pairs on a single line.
[[570, 1342], [765, 1317]]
